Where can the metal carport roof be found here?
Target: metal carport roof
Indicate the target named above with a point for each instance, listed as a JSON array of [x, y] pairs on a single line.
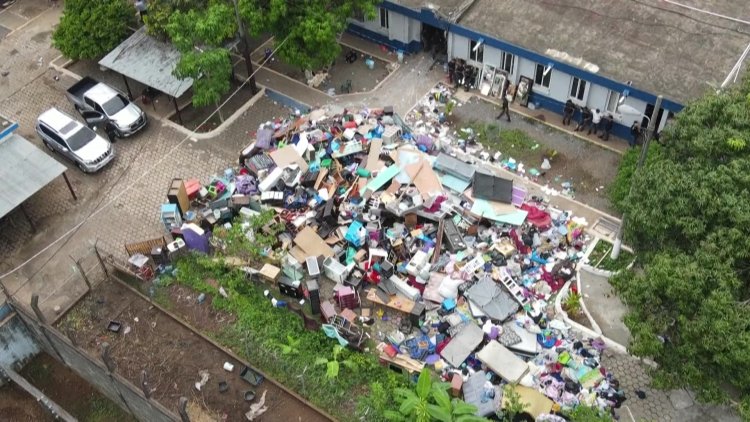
[[24, 170], [148, 61]]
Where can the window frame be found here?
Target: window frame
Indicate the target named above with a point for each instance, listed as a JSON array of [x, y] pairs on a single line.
[[539, 78], [478, 55], [577, 87], [612, 94], [384, 18], [504, 59], [53, 135]]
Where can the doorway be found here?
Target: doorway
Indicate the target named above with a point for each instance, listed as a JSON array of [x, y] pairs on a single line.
[[434, 40], [649, 111]]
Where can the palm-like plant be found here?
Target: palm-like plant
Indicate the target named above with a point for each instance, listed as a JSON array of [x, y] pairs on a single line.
[[430, 402], [333, 365]]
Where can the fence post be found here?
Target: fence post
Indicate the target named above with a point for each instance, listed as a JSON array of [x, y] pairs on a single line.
[[83, 273], [182, 409], [111, 366], [99, 257], [43, 326], [144, 384]]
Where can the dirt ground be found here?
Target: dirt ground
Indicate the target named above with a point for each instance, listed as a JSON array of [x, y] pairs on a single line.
[[589, 168], [71, 392], [18, 406], [363, 79], [193, 116], [172, 354]]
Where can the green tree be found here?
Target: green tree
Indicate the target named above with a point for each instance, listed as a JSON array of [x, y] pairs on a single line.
[[200, 36], [429, 401], [89, 30], [310, 28], [689, 221]]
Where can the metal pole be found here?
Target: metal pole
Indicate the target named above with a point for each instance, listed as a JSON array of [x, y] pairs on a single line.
[[641, 160], [245, 50], [130, 93], [70, 187], [177, 110]]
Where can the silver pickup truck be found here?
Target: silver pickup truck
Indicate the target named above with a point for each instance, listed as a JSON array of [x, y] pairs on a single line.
[[89, 95]]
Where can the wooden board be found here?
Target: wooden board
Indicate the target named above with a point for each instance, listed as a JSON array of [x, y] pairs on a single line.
[[145, 247], [396, 302], [312, 244]]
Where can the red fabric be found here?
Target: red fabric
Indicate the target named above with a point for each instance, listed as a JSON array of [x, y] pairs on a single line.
[[522, 249], [440, 346], [536, 216], [350, 125]]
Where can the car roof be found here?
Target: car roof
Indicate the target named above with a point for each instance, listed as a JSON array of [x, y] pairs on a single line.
[[60, 122], [101, 93]]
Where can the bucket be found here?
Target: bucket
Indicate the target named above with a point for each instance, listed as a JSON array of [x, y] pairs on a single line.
[[400, 55], [370, 63]]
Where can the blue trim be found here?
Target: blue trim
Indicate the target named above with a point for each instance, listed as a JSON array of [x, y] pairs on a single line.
[[428, 17], [370, 35], [287, 101], [8, 130]]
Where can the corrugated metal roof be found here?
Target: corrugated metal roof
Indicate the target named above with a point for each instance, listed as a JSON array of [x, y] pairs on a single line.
[[148, 61], [24, 170]]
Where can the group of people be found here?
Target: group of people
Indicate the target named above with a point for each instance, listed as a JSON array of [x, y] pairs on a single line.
[[594, 120]]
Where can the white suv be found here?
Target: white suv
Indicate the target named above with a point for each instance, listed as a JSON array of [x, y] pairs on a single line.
[[67, 136]]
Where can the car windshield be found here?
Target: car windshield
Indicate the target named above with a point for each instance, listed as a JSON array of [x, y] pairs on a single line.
[[117, 103], [79, 139]]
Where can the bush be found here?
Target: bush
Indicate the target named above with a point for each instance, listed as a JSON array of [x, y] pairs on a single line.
[[91, 29]]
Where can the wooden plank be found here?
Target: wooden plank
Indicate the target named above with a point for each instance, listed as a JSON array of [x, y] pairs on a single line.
[[145, 247], [398, 303]]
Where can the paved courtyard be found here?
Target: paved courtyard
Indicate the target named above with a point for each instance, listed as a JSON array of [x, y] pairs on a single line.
[[121, 204]]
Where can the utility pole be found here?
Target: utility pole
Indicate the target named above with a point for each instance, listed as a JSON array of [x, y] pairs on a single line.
[[641, 160], [245, 49]]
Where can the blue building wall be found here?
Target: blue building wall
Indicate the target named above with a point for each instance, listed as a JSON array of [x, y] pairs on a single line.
[[412, 47]]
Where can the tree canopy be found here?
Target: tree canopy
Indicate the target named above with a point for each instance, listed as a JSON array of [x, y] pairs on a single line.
[[688, 217], [89, 30]]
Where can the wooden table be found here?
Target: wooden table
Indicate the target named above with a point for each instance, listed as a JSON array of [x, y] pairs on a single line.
[[395, 302]]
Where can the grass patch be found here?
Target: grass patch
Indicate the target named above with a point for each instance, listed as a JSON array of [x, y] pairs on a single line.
[[496, 138], [360, 391], [103, 410], [600, 257]]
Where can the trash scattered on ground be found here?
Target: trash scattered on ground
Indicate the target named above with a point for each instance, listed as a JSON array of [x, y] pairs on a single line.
[[425, 247]]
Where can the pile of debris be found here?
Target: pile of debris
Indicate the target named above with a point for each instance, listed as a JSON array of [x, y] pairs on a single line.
[[444, 262]]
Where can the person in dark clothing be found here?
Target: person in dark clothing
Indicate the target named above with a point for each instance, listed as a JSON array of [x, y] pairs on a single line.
[[607, 124], [505, 111], [636, 131], [111, 131], [570, 108], [585, 120]]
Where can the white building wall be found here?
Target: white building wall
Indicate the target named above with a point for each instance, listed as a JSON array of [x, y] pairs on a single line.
[[372, 25], [415, 30], [458, 47], [559, 85], [398, 27], [492, 56], [598, 96]]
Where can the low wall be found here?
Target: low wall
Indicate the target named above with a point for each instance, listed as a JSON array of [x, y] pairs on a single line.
[[17, 346]]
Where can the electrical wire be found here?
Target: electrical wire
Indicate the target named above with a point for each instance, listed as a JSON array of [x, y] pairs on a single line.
[[146, 172]]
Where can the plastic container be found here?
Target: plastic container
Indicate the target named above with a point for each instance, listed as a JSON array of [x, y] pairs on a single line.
[[400, 55]]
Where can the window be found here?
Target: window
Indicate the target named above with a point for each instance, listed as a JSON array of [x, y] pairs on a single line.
[[383, 17], [476, 54], [614, 98], [540, 78], [578, 89], [506, 62], [52, 135]]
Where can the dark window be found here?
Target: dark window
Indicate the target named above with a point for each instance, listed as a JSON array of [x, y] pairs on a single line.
[[578, 89], [540, 78], [52, 135], [476, 53], [383, 17], [507, 60], [114, 105], [81, 138]]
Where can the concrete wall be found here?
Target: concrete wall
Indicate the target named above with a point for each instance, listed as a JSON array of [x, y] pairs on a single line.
[[115, 387]]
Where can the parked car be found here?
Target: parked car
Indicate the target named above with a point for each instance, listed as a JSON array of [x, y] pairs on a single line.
[[90, 95], [74, 140]]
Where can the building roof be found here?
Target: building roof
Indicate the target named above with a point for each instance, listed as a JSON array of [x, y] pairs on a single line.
[[449, 10], [663, 48], [148, 61], [24, 171]]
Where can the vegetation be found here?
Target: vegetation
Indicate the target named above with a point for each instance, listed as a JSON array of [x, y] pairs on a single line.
[[513, 405], [688, 218], [89, 30], [306, 33], [236, 243], [600, 257], [507, 141], [275, 340], [429, 401], [588, 414], [572, 303]]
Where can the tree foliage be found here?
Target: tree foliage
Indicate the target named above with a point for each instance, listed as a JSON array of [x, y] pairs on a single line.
[[310, 28], [89, 30], [429, 401], [200, 34], [688, 217]]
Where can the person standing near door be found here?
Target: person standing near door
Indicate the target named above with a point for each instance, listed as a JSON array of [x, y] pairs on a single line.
[[635, 130], [596, 119], [568, 111], [111, 131], [607, 124]]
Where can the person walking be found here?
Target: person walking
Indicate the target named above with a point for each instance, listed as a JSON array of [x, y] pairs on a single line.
[[635, 130], [141, 8], [596, 119], [608, 123], [505, 111], [568, 111], [111, 131]]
